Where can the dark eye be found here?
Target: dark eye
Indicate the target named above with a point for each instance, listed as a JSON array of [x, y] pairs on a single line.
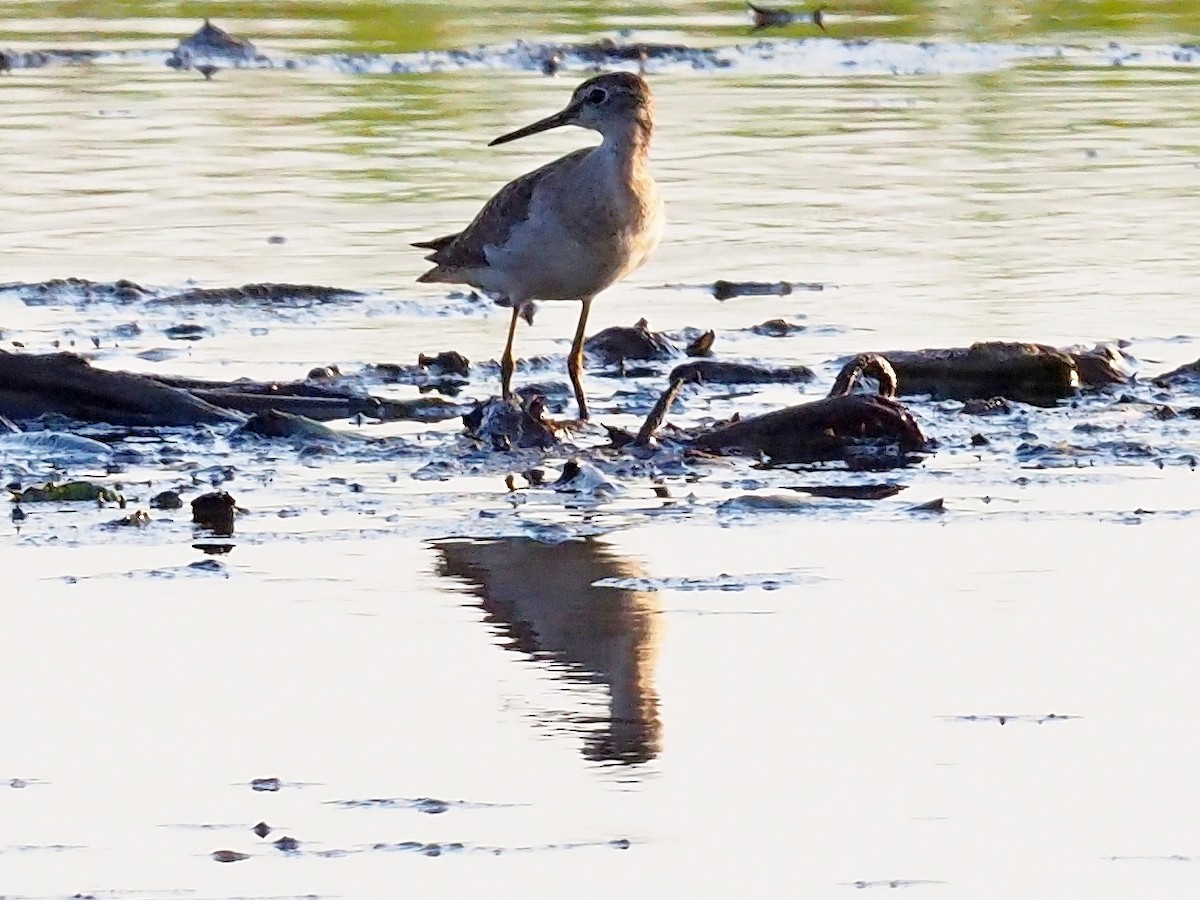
[[595, 96]]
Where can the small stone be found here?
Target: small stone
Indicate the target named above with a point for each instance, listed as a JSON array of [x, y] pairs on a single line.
[[166, 500], [287, 844], [265, 784], [228, 856], [262, 829]]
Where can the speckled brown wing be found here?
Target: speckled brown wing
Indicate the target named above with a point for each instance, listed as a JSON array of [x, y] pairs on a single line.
[[494, 223]]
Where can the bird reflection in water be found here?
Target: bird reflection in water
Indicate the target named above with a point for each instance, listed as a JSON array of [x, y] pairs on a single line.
[[543, 598]]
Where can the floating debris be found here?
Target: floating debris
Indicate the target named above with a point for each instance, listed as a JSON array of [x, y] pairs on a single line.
[[1005, 719], [727, 290], [772, 17]]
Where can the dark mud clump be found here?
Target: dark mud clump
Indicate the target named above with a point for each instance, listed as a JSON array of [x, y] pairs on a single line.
[[615, 345], [510, 424], [715, 372], [1028, 373], [620, 344]]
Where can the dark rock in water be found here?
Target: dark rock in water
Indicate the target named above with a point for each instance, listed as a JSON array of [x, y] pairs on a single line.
[[287, 844], [861, 429], [1027, 373], [187, 332], [993, 406], [517, 423], [1185, 375], [614, 345], [262, 829], [5, 62], [268, 292], [776, 328], [448, 362], [711, 371], [265, 784], [1101, 365], [272, 423], [215, 512], [771, 17], [727, 290], [66, 384], [229, 856], [210, 42], [166, 500]]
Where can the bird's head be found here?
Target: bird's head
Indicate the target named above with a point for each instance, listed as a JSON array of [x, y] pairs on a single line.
[[612, 104]]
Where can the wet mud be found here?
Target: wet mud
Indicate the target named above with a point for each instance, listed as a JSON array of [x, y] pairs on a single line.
[[705, 437]]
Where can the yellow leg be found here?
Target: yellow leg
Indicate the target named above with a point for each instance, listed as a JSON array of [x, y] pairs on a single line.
[[575, 361], [507, 365]]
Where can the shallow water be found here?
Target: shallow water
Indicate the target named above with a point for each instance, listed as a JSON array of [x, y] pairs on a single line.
[[739, 688]]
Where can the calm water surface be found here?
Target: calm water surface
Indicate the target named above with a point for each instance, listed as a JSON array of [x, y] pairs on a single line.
[[631, 697]]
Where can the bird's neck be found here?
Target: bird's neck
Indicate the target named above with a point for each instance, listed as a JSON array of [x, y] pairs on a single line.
[[630, 144]]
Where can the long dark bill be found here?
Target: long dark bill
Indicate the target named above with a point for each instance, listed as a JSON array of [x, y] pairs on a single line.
[[555, 121]]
